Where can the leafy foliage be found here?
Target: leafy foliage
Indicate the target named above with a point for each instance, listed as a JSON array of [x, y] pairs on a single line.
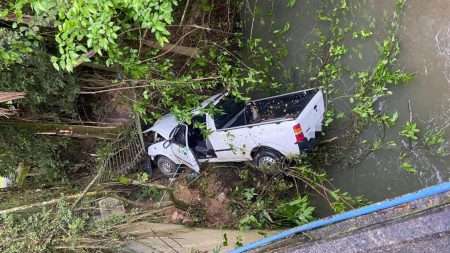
[[54, 157], [48, 229], [434, 137], [298, 211], [410, 131], [370, 84], [97, 25], [12, 48], [48, 91]]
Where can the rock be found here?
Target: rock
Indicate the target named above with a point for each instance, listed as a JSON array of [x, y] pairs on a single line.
[[175, 217], [221, 197], [110, 206]]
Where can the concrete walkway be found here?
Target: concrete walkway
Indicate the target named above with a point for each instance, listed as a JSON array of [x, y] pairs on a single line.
[[156, 237]]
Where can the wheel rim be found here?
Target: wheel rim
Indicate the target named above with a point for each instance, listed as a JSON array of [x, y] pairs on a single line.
[[166, 167], [266, 160]]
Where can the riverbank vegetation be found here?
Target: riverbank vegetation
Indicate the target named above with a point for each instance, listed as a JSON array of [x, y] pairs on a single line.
[[94, 68]]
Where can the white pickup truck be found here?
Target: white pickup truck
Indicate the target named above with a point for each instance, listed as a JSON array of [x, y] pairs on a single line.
[[262, 130]]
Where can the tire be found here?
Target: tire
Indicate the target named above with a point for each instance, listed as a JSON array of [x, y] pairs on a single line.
[[269, 161], [166, 166]]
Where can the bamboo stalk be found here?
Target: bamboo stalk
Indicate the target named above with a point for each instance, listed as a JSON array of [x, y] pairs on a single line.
[[45, 203]]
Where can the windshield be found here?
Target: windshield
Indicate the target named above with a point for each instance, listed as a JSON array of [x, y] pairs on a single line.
[[227, 108]]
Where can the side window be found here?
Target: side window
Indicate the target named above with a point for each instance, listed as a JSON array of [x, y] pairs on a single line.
[[180, 135], [228, 107]]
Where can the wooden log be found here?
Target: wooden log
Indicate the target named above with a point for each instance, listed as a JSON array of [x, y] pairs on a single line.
[[8, 96]]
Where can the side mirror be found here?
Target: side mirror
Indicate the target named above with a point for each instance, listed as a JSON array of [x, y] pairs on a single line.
[[167, 143]]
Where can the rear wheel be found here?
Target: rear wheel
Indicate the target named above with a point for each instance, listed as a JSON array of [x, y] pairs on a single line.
[[166, 166], [269, 161]]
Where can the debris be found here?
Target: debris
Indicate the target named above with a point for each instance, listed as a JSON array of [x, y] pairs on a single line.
[[221, 197], [109, 206], [178, 217], [174, 216]]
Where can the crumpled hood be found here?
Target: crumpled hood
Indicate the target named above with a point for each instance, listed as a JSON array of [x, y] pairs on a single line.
[[168, 122], [164, 126]]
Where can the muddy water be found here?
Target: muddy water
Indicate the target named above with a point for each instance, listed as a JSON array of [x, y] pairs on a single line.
[[425, 50]]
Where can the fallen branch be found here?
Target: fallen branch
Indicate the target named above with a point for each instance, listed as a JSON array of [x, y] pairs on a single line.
[[173, 48], [140, 204], [148, 85], [96, 178], [159, 186], [45, 203], [329, 140]]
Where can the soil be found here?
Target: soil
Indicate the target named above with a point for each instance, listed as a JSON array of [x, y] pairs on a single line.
[[208, 195]]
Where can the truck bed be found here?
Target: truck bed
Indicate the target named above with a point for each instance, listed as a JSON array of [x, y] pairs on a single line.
[[283, 106], [277, 107]]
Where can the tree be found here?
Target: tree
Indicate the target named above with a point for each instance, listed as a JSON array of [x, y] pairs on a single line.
[[88, 27]]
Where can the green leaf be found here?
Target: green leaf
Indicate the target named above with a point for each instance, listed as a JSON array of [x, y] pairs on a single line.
[[408, 167], [291, 3], [283, 30], [69, 65]]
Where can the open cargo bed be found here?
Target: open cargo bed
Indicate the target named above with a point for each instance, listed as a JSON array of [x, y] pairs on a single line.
[[277, 107], [283, 106]]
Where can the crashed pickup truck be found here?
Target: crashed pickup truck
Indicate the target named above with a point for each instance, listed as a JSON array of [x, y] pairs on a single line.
[[262, 131]]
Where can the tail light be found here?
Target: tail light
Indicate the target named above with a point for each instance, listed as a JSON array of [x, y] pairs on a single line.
[[298, 133]]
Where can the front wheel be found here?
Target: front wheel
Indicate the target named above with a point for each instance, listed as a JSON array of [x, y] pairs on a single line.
[[166, 166], [269, 161]]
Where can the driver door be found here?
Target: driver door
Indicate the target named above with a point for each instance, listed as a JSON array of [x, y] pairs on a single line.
[[180, 148]]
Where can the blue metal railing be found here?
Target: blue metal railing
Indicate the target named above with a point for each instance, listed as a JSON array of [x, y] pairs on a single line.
[[426, 192]]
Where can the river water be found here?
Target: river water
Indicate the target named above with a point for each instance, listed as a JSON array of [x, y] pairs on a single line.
[[425, 50]]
